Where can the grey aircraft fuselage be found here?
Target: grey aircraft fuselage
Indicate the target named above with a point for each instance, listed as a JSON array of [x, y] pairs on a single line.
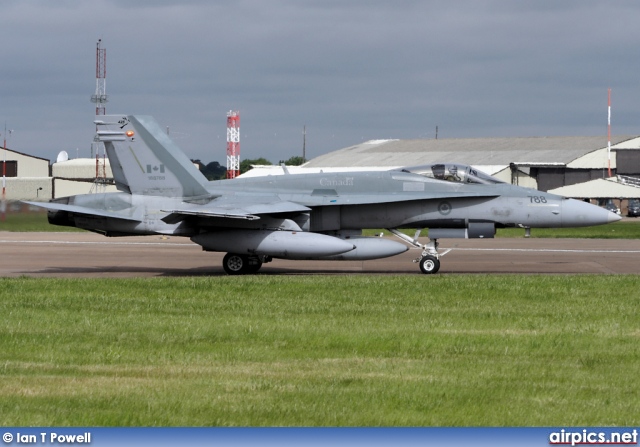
[[346, 205], [301, 216]]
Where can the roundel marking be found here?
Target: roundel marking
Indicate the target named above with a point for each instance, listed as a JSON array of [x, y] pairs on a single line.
[[444, 208]]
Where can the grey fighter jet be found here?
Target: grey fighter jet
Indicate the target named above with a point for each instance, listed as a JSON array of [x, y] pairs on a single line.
[[301, 216]]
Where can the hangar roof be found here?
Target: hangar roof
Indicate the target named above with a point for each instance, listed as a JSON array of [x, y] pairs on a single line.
[[11, 151], [599, 189], [536, 151]]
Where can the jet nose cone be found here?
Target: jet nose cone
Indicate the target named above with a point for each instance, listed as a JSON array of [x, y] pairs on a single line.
[[613, 217], [582, 214]]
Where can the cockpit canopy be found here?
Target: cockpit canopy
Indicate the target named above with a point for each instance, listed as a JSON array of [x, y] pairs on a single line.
[[452, 172]]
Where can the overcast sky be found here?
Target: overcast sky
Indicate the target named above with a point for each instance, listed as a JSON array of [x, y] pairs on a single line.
[[350, 70]]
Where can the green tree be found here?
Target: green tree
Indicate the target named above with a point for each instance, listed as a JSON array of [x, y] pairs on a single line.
[[294, 161], [245, 165]]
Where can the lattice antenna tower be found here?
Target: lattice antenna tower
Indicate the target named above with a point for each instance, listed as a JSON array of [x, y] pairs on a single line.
[[100, 99], [233, 144]]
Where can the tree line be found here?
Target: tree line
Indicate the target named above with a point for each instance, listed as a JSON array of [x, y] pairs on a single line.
[[215, 171]]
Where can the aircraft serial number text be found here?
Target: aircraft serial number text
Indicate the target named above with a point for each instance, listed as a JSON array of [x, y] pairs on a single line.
[[538, 199]]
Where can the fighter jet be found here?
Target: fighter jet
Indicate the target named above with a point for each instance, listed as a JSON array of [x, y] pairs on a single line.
[[316, 216]]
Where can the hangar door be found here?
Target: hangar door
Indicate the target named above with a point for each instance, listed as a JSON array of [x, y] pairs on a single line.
[[628, 162]]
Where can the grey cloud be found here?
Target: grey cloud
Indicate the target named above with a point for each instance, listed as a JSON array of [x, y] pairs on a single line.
[[349, 70]]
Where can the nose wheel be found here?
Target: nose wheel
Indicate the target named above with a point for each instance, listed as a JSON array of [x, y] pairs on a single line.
[[429, 264], [429, 259]]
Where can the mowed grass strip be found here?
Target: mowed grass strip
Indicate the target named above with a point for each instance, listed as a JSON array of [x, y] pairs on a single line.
[[504, 350], [29, 222]]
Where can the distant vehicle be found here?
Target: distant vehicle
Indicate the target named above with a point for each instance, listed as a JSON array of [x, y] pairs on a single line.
[[634, 208], [608, 205]]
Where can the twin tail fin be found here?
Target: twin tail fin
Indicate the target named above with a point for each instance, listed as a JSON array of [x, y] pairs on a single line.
[[145, 161]]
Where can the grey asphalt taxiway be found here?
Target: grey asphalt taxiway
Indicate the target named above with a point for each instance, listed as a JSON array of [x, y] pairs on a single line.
[[91, 255]]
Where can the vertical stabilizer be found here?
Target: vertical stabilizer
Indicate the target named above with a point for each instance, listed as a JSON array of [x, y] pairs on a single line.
[[145, 161]]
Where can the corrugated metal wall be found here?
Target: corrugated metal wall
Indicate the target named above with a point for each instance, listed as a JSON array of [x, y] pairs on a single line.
[[38, 188], [628, 162]]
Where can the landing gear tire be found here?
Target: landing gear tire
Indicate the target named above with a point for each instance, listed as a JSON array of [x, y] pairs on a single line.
[[253, 265], [235, 264], [429, 265]]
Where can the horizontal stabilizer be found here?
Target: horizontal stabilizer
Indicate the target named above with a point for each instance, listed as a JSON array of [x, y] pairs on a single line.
[[81, 210]]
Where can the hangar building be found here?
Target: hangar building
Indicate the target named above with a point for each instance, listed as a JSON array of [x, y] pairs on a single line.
[[570, 166], [26, 176], [78, 176], [544, 163], [34, 178]]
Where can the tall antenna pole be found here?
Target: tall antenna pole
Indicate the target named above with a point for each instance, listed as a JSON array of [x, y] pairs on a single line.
[[233, 144], [100, 99], [4, 172], [304, 143], [3, 205], [609, 133]]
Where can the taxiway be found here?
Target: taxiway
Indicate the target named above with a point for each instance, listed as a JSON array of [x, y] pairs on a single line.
[[91, 255]]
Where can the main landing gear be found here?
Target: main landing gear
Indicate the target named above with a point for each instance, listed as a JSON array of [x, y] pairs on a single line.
[[429, 259], [235, 264]]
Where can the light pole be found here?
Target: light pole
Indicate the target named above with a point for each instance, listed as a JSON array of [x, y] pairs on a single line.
[[3, 204]]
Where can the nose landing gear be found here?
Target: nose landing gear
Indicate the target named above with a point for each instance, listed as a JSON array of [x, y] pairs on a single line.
[[429, 259], [429, 264]]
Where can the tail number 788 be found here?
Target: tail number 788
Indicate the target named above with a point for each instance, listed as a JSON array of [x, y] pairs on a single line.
[[537, 199]]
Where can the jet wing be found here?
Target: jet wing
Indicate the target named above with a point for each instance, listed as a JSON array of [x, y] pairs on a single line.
[[234, 208], [81, 210]]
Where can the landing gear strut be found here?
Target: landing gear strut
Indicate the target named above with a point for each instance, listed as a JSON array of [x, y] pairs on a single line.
[[236, 264], [429, 259]]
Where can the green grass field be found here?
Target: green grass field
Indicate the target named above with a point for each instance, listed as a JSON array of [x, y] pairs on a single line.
[[30, 221], [363, 350]]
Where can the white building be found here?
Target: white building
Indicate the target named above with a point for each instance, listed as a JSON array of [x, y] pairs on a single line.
[[26, 177]]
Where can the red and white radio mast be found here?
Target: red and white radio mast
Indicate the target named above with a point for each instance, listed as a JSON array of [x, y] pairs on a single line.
[[233, 144]]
